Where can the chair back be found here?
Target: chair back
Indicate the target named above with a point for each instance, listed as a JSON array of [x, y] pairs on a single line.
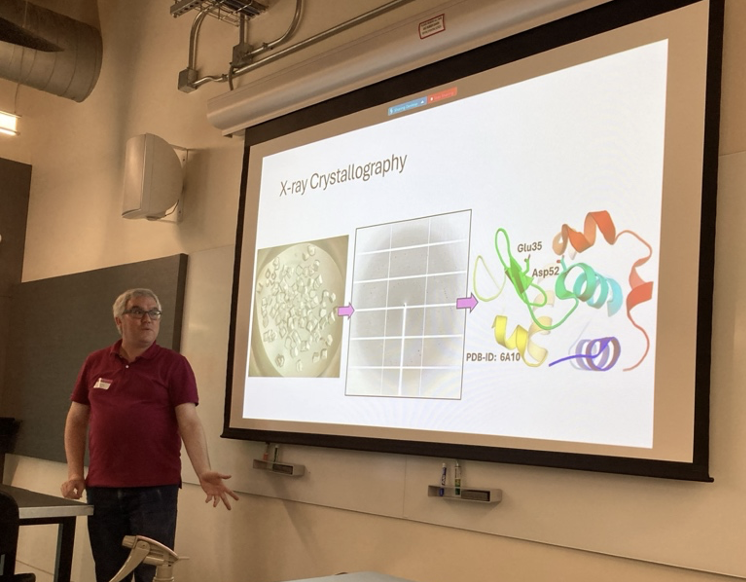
[[8, 536]]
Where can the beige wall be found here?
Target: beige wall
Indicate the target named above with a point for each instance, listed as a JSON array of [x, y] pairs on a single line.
[[74, 225]]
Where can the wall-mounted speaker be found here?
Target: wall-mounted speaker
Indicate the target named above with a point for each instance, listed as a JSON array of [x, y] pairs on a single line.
[[153, 177]]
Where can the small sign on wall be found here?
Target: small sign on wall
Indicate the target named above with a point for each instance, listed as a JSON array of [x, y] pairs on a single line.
[[432, 26]]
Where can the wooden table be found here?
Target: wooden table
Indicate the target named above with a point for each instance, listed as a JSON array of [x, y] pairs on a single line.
[[40, 509]]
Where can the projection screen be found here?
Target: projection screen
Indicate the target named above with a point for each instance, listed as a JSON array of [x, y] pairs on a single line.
[[504, 256]]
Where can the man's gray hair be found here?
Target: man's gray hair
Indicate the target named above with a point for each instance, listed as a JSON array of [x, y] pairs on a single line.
[[120, 305]]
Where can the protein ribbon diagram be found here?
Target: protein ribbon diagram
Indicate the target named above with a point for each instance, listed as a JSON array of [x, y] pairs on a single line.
[[576, 283]]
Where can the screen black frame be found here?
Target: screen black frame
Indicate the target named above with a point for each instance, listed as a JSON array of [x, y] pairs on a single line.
[[603, 18]]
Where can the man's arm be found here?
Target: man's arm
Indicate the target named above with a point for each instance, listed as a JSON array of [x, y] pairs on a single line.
[[76, 427], [193, 435]]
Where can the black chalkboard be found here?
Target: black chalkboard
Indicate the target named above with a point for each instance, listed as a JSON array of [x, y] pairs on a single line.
[[55, 323]]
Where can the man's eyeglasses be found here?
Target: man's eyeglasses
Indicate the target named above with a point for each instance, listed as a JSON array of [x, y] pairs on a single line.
[[138, 313]]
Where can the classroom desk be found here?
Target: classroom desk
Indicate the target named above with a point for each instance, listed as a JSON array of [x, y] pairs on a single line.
[[40, 509], [355, 577]]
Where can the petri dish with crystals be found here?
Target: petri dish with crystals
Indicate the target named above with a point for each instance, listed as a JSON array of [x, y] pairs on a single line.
[[296, 331]]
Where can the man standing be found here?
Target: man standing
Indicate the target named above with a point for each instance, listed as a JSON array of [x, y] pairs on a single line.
[[137, 401]]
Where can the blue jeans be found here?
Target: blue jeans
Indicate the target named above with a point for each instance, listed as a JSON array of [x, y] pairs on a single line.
[[119, 512]]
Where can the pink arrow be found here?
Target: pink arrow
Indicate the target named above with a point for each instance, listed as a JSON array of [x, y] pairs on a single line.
[[467, 303], [345, 310]]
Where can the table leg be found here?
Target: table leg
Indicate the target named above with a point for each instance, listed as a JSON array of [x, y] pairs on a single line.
[[65, 541]]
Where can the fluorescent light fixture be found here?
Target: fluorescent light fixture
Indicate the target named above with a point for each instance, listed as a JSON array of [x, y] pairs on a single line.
[[8, 123]]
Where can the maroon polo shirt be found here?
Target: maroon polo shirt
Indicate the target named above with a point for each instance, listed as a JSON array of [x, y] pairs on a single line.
[[133, 436]]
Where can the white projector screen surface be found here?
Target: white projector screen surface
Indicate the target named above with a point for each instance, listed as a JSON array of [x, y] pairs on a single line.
[[504, 266]]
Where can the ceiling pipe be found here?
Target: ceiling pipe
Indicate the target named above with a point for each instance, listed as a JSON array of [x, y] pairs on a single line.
[[71, 72], [188, 80], [271, 45], [322, 35], [195, 83], [285, 37]]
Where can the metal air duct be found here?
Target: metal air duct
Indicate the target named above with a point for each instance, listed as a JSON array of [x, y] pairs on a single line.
[[70, 72]]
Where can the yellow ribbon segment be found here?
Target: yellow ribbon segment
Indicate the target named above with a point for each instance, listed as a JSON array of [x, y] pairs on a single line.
[[521, 339]]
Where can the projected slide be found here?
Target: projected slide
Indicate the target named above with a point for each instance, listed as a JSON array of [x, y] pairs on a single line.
[[479, 263]]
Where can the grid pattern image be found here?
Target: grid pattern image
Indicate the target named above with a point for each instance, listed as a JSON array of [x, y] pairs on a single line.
[[406, 335]]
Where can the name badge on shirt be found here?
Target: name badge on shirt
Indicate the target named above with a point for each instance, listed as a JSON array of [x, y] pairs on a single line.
[[102, 383]]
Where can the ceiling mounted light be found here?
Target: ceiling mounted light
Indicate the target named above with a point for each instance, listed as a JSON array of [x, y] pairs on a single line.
[[8, 123]]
